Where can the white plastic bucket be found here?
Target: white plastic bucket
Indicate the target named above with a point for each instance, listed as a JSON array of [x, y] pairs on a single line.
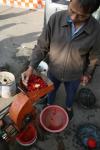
[[7, 84]]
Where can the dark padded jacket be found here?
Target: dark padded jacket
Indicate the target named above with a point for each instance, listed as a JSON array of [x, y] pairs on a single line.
[[69, 57]]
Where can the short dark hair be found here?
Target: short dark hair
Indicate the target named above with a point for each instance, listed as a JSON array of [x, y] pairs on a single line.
[[89, 6]]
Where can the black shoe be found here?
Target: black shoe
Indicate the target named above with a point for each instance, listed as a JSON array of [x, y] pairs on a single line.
[[70, 113]]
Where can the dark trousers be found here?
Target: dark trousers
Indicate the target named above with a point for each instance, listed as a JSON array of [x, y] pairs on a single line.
[[70, 88]]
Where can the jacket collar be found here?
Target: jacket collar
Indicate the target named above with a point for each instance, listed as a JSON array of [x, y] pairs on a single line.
[[65, 19], [88, 27]]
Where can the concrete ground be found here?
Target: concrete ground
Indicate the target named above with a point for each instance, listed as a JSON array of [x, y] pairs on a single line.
[[19, 30]]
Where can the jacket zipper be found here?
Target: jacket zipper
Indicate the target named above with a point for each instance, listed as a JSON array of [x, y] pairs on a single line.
[[66, 61]]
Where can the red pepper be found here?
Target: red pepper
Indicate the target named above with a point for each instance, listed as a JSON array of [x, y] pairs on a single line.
[[36, 80]]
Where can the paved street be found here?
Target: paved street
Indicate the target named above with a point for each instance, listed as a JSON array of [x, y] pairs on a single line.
[[19, 30]]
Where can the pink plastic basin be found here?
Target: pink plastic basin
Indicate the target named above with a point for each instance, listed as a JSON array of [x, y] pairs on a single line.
[[54, 118], [28, 136]]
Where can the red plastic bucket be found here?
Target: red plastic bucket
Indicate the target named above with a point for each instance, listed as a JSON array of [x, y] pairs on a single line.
[[28, 136], [54, 118]]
